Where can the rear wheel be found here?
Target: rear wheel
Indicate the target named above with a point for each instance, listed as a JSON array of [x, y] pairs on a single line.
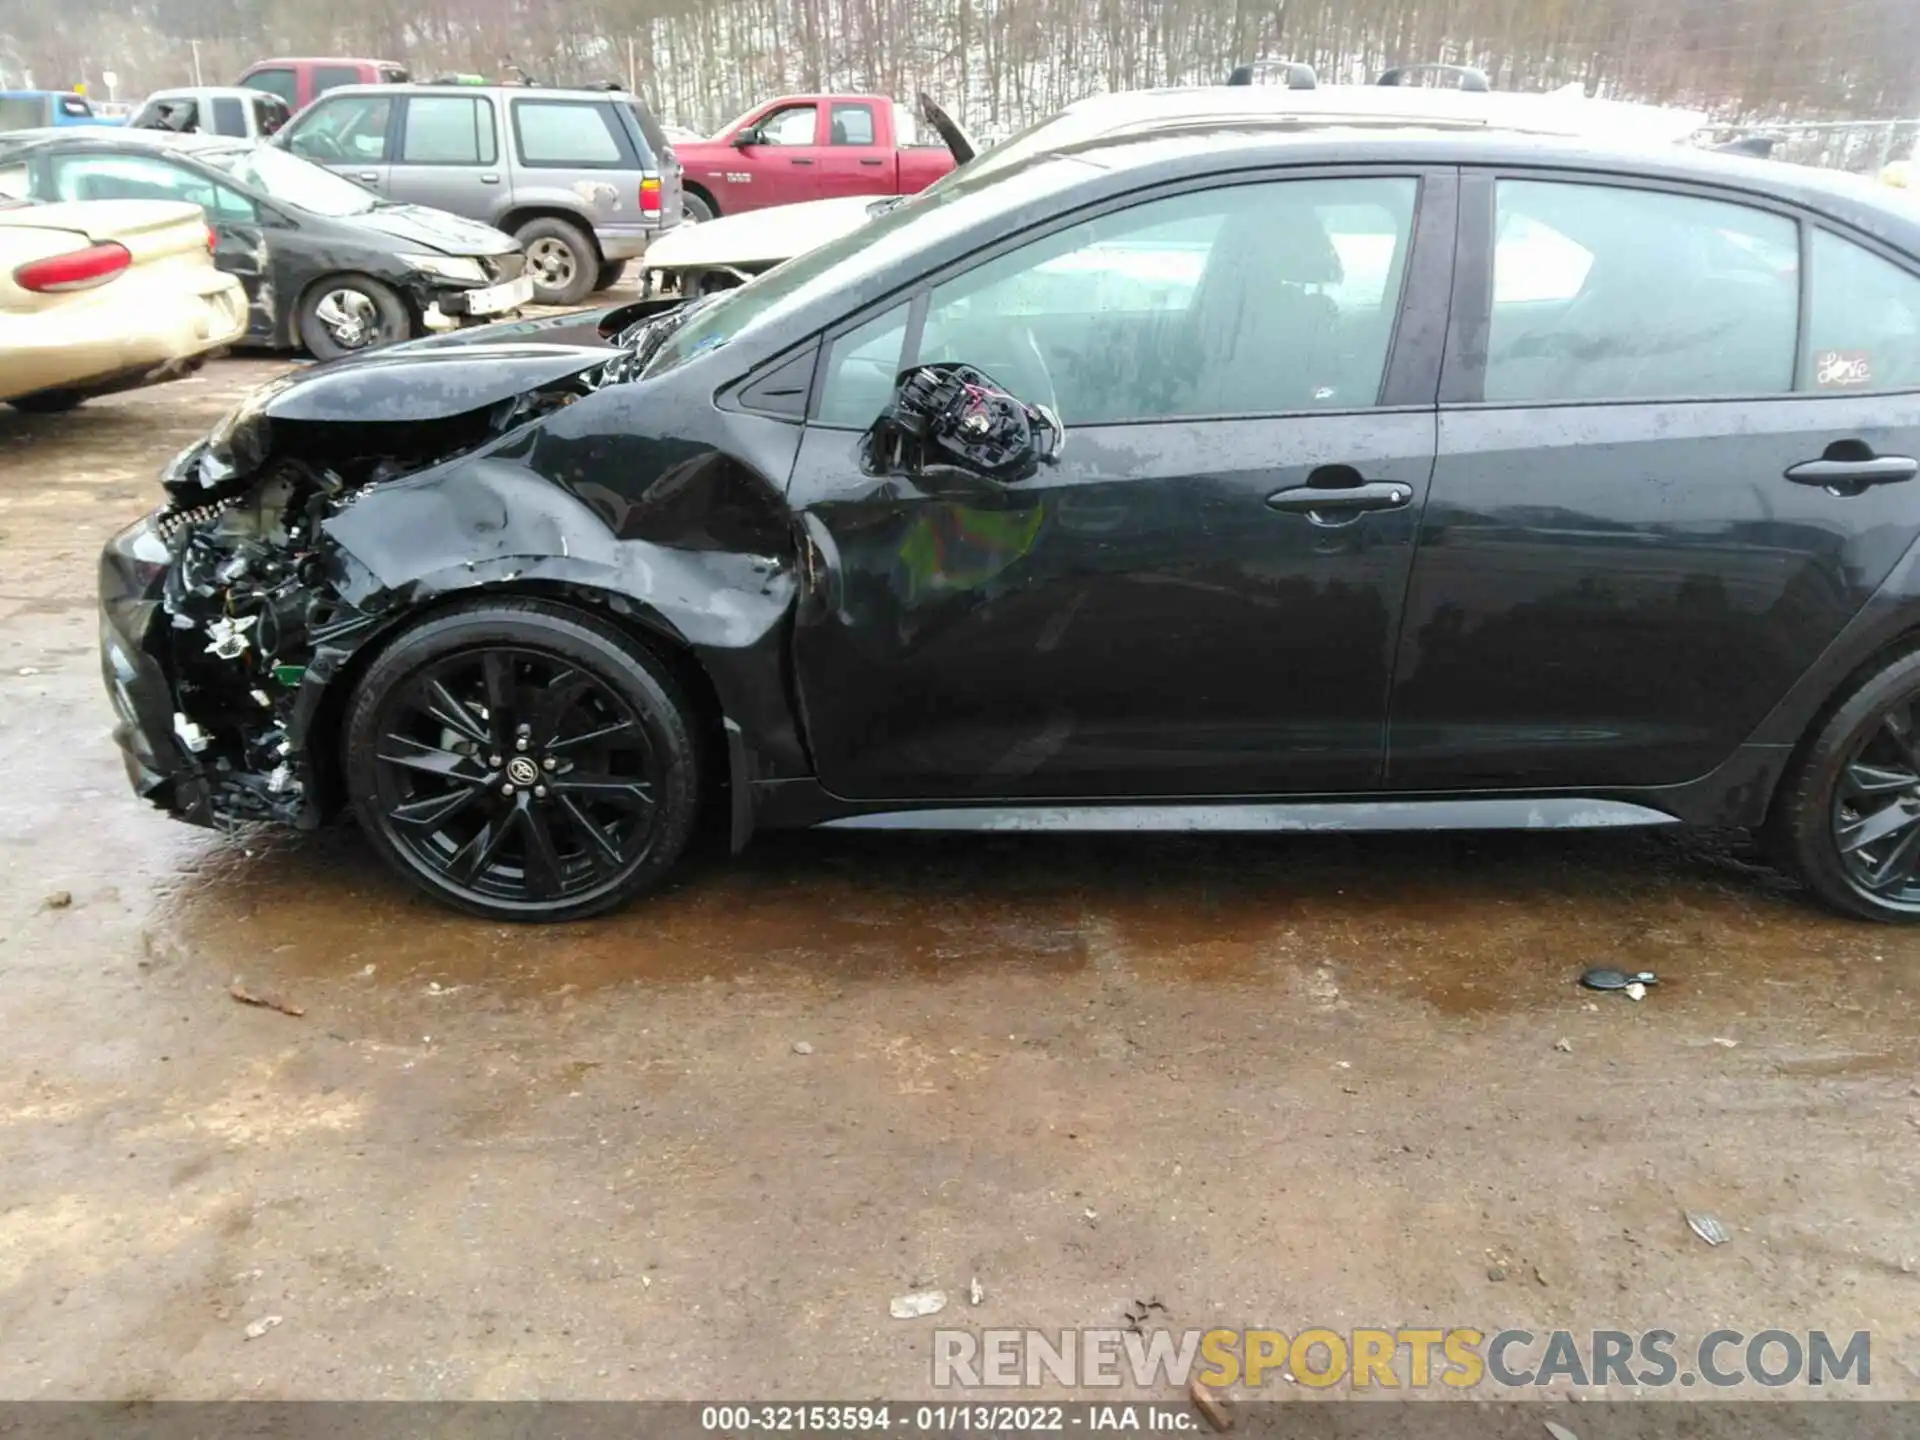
[[346, 314], [561, 259], [1848, 817], [520, 761]]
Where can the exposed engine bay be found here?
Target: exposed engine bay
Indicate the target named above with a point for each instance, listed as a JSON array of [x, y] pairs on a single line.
[[258, 597]]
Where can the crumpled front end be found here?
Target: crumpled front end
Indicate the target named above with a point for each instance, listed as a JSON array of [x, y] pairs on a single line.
[[226, 614]]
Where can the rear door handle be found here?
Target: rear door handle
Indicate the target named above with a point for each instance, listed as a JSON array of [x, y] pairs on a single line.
[[1850, 477], [1342, 505], [489, 179], [369, 175], [798, 161], [873, 161]]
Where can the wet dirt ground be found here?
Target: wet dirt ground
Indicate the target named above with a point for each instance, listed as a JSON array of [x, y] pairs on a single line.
[[1263, 1081]]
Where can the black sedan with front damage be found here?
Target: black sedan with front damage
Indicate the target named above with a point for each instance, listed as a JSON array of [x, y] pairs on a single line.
[[1254, 481], [327, 265]]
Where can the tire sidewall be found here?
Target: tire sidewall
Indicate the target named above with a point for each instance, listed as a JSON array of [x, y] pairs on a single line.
[[314, 336], [613, 659], [1807, 815], [586, 259]]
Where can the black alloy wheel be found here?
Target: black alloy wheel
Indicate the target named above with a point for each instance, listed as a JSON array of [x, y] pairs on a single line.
[[519, 761], [1848, 817], [1876, 808]]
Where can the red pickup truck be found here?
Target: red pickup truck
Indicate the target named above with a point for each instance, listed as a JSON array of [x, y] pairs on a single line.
[[810, 147]]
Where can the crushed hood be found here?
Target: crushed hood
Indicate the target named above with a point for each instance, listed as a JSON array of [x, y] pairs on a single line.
[[426, 228], [759, 237], [402, 386], [412, 385]]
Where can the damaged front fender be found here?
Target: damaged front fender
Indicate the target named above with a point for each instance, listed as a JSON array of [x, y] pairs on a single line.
[[329, 509]]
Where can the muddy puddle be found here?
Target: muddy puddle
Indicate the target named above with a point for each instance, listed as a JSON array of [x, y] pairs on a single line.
[[1484, 924]]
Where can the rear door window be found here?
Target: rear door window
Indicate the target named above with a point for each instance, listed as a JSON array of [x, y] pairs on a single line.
[[851, 125], [332, 77], [1601, 292], [1863, 321], [139, 177], [567, 134], [274, 82], [229, 116], [448, 130]]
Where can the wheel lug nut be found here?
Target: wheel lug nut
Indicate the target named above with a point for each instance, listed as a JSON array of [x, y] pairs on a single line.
[[539, 792], [549, 763], [495, 761], [506, 789], [521, 743]]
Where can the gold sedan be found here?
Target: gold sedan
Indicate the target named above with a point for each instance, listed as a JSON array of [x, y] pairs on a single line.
[[105, 295]]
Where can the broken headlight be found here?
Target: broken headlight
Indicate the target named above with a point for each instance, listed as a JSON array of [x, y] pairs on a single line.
[[462, 268]]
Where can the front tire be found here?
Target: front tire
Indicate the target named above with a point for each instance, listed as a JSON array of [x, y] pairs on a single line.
[[1848, 816], [609, 275], [695, 209], [561, 259], [521, 761], [349, 314]]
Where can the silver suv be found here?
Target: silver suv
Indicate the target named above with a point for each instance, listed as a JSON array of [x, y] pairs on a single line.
[[583, 178]]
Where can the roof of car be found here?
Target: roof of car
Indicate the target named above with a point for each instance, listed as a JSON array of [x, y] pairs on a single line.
[[1567, 111], [1851, 199], [241, 92], [120, 137], [535, 92]]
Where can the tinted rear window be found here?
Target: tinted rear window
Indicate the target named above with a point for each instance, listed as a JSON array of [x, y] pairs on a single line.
[[448, 130], [569, 134], [329, 77], [228, 117]]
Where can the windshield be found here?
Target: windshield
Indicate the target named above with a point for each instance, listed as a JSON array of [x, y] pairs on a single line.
[[284, 176], [935, 214]]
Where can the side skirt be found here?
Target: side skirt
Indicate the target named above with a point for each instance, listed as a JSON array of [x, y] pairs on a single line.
[[1515, 813]]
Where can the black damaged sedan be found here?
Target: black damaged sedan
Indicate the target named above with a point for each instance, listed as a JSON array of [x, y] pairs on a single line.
[[1252, 481], [327, 265]]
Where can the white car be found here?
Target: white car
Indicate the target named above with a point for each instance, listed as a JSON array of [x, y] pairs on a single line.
[[732, 249], [104, 295], [231, 110]]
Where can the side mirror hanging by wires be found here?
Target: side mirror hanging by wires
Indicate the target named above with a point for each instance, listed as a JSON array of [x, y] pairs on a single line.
[[956, 415]]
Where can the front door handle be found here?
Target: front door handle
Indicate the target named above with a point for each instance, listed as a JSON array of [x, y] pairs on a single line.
[[799, 161], [369, 175], [873, 160], [1851, 475], [1341, 505], [489, 179]]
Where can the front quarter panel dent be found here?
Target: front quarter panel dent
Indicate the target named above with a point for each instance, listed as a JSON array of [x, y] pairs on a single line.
[[490, 521]]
